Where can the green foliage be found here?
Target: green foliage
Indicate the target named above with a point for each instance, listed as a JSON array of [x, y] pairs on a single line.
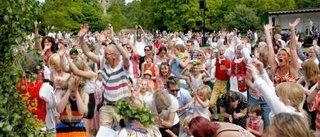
[[307, 3], [68, 15], [143, 115], [16, 19], [242, 18]]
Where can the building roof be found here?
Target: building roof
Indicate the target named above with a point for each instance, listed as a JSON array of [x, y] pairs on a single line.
[[294, 11]]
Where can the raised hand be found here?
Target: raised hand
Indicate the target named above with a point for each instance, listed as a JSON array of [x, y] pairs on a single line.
[[83, 31], [101, 37], [268, 27], [253, 70], [259, 65], [295, 23]]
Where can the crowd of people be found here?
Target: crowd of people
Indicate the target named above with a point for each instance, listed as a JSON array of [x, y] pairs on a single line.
[[165, 85]]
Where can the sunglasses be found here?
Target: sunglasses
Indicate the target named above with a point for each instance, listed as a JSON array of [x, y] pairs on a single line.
[[146, 49], [174, 90]]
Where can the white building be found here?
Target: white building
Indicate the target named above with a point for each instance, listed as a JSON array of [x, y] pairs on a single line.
[[307, 17]]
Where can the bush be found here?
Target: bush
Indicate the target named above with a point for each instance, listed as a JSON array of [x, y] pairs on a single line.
[[16, 19]]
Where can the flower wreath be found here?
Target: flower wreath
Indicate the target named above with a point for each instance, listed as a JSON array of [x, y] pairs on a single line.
[[143, 115]]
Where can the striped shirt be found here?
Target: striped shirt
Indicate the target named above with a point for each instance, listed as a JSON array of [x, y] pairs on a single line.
[[115, 81]]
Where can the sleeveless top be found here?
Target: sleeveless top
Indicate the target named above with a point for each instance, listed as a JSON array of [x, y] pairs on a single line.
[[287, 78], [239, 68], [196, 82], [242, 132], [152, 69], [75, 118], [254, 124], [31, 98]]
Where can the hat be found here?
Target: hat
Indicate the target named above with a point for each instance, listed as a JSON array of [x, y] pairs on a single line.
[[148, 72]]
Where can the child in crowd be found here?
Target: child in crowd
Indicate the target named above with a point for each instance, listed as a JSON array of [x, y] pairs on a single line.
[[186, 121], [196, 77], [179, 61], [148, 76], [254, 121], [200, 102]]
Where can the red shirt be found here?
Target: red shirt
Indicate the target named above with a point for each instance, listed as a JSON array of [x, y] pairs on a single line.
[[222, 74], [31, 98]]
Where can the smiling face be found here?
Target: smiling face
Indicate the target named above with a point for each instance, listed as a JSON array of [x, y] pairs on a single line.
[[164, 70], [283, 57]]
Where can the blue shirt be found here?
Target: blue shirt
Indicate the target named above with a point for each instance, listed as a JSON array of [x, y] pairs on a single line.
[[184, 98]]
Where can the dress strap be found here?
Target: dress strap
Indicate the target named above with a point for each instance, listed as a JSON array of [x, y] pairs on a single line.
[[235, 130]]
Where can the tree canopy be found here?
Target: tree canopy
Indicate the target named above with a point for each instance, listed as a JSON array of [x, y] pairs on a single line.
[[172, 15]]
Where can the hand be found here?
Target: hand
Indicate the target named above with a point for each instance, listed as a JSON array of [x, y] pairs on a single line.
[[268, 27], [230, 119], [253, 70], [223, 67], [101, 37], [73, 83], [235, 115], [295, 23], [259, 65], [83, 31], [36, 23]]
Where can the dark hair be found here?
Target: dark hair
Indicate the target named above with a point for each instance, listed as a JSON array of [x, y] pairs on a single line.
[[162, 49], [73, 50], [190, 41], [150, 47], [173, 80], [54, 47]]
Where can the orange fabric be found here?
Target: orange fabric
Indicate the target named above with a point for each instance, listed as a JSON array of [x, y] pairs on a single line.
[[72, 134]]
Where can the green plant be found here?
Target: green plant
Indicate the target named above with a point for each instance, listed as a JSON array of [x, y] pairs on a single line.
[[16, 20], [143, 115]]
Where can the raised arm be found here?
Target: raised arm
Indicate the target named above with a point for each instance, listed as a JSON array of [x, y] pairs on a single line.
[[294, 64], [36, 36], [271, 59], [75, 70], [84, 29]]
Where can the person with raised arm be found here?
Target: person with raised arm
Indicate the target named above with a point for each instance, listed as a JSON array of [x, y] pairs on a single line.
[[287, 67], [114, 70]]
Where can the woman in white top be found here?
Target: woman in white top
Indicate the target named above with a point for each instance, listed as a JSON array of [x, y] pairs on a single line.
[[167, 117], [290, 95]]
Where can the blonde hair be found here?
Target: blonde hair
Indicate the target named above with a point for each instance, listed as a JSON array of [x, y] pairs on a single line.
[[205, 90], [54, 60], [186, 122], [135, 103], [80, 64], [311, 71], [291, 125], [181, 48], [293, 92], [162, 100]]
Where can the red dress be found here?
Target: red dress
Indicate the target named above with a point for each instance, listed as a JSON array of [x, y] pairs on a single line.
[[31, 98]]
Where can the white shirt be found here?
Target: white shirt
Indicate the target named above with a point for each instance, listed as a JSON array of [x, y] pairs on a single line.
[[173, 108], [140, 48]]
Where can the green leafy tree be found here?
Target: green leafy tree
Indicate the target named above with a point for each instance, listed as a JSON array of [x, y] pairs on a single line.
[[242, 18], [16, 20], [68, 15], [307, 3], [178, 15]]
